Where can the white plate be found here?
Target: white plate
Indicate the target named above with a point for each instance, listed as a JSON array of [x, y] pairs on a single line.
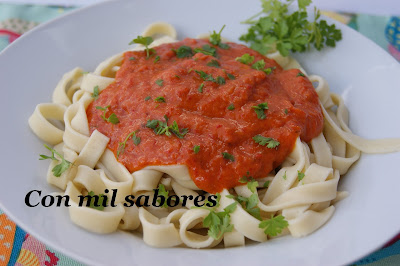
[[366, 76]]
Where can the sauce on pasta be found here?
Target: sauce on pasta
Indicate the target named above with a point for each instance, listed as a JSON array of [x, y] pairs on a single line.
[[219, 114]]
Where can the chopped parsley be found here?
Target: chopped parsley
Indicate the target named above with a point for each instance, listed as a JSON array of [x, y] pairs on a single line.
[[284, 176], [231, 107], [160, 99], [59, 168], [215, 38], [300, 75], [121, 145], [288, 31], [132, 58], [259, 65], [146, 41], [113, 119], [157, 59], [228, 156], [270, 142], [259, 109], [245, 59], [230, 76], [218, 223], [274, 226], [206, 77], [161, 127], [196, 149], [266, 184], [220, 80], [300, 175], [159, 82], [200, 89], [164, 193], [252, 184], [147, 98], [183, 51], [213, 63], [96, 92], [286, 111], [207, 50], [100, 206]]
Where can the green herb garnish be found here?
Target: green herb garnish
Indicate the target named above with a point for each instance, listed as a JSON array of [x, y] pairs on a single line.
[[231, 107], [274, 226], [218, 223], [196, 149], [300, 175], [100, 206], [161, 127], [183, 51], [159, 82], [270, 142], [200, 89], [113, 119], [96, 92], [259, 109], [215, 38], [213, 63], [59, 168], [160, 99], [146, 41], [164, 193], [207, 50], [245, 59], [289, 31], [228, 156], [121, 145]]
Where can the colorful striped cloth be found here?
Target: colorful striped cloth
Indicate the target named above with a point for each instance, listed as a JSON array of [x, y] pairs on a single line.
[[17, 247]]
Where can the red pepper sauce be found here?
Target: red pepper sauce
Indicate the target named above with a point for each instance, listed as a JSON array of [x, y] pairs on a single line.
[[294, 111]]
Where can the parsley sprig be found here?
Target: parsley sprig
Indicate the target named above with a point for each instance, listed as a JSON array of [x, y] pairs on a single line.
[[146, 41], [274, 226], [215, 38], [99, 205], [162, 192], [113, 119], [259, 109], [121, 145], [289, 31], [207, 50], [270, 142], [219, 223], [161, 127], [96, 92], [59, 168]]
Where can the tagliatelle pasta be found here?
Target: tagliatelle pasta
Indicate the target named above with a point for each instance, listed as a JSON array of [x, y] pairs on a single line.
[[306, 203]]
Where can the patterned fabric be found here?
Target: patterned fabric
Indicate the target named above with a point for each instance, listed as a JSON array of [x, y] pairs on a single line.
[[19, 248]]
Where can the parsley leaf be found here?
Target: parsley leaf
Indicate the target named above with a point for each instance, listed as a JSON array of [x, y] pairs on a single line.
[[100, 206], [147, 98], [121, 145], [160, 82], [183, 51], [252, 184], [274, 226], [161, 128], [218, 223], [266, 184], [288, 31], [286, 111], [157, 59], [230, 76], [59, 168], [259, 109], [200, 89], [231, 107], [300, 175], [146, 41], [250, 204], [284, 176], [300, 75], [245, 59], [113, 119], [160, 99], [205, 76], [215, 38], [196, 149], [207, 50], [164, 193], [259, 65], [228, 156], [220, 80], [270, 142], [132, 58], [96, 92], [213, 63]]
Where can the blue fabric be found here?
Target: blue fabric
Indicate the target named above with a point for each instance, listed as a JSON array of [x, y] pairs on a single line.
[[18, 240]]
